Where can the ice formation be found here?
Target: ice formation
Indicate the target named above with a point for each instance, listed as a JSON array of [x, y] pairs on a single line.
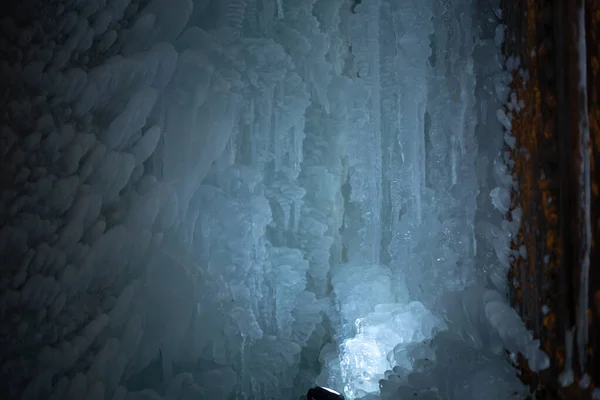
[[237, 199]]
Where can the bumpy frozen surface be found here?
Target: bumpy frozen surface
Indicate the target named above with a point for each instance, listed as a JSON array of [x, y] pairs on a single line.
[[237, 199]]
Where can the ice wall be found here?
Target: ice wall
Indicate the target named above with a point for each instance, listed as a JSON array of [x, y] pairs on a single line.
[[175, 196], [234, 199], [435, 294]]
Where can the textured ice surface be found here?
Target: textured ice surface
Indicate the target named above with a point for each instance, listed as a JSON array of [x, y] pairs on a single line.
[[238, 199], [388, 330]]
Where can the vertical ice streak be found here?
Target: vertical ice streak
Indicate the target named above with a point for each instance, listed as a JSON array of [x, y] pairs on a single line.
[[376, 193], [453, 160], [584, 182], [419, 160], [243, 365], [365, 157], [389, 126], [412, 69]]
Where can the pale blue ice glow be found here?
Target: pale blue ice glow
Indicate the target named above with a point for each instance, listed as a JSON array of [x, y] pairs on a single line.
[[237, 199]]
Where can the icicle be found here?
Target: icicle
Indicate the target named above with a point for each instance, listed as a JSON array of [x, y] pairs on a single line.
[[419, 160], [298, 137], [453, 160], [234, 20], [243, 366], [278, 139]]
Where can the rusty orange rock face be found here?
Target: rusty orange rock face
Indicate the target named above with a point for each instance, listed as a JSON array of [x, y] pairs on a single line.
[[545, 284]]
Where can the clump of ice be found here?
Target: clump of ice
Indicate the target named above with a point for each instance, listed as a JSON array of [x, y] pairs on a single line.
[[467, 360], [382, 338], [448, 367], [500, 33], [500, 197]]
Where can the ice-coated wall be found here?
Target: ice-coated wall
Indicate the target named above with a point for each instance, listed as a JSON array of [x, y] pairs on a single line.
[[237, 199]]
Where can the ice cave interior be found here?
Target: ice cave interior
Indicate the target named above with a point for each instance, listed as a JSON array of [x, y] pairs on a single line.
[[241, 199]]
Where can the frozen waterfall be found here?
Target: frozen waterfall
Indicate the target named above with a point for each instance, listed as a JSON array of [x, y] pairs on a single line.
[[240, 199]]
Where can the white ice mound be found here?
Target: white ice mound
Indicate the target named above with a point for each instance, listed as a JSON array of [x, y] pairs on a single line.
[[380, 335]]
